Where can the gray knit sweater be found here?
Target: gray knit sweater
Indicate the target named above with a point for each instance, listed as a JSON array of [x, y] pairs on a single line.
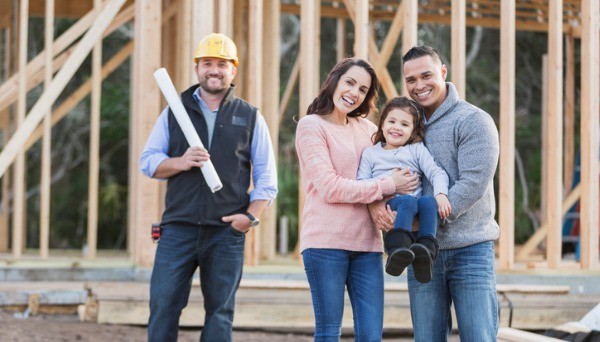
[[463, 139]]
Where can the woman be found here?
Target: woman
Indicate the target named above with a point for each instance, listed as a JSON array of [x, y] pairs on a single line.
[[339, 244]]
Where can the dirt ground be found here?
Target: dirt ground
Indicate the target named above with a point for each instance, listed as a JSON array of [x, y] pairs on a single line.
[[59, 328]]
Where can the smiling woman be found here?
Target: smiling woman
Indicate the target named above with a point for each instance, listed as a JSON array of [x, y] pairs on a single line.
[[339, 243]]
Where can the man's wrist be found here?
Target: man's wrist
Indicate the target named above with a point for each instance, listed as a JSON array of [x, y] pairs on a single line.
[[253, 220]]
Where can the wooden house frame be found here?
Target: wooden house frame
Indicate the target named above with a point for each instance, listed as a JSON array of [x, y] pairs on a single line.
[[254, 26]]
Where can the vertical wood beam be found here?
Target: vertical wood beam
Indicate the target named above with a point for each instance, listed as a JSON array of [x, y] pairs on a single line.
[[411, 29], [94, 162], [240, 33], [590, 136], [225, 16], [46, 139], [4, 210], [340, 41], [270, 110], [255, 85], [146, 106], [459, 44], [361, 29], [310, 42], [569, 161], [554, 133], [185, 46], [203, 23], [18, 221], [507, 133], [544, 171]]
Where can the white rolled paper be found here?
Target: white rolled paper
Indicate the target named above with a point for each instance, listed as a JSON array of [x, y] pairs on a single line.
[[183, 119]]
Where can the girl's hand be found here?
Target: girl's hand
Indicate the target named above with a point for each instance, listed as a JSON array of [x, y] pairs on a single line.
[[444, 207]]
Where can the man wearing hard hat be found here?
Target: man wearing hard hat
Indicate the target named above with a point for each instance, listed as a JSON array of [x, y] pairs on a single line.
[[201, 229]]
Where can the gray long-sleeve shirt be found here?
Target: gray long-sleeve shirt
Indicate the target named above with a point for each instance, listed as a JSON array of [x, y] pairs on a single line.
[[463, 139], [377, 162]]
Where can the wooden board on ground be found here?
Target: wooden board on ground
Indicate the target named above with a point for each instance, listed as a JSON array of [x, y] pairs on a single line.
[[515, 335], [287, 304]]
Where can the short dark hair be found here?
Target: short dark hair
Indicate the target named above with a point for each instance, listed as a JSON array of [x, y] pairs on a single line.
[[421, 51], [409, 106], [323, 103]]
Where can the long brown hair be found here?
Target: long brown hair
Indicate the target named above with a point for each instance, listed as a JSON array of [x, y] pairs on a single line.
[[409, 106], [323, 103]]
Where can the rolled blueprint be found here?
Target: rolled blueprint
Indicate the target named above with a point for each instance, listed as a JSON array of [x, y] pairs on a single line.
[[183, 119]]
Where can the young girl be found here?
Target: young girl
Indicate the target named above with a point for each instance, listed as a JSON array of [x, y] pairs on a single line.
[[398, 145]]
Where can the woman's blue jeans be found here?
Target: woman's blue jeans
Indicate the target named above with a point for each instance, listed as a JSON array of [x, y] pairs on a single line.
[[466, 278], [329, 271], [219, 252], [408, 206]]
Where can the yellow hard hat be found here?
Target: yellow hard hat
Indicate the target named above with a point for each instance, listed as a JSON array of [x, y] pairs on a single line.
[[217, 45]]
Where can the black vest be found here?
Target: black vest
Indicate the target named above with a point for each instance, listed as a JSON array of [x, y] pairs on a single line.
[[189, 199]]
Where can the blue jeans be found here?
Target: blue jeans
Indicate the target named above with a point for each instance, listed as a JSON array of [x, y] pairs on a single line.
[[328, 272], [465, 277], [219, 252], [408, 206]]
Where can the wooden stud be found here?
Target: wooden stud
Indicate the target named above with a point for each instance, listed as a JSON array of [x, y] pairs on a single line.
[[289, 89], [45, 187], [309, 74], [240, 37], [569, 160], [507, 133], [544, 139], [340, 41], [5, 187], [146, 106], [361, 29], [554, 133], [255, 96], [183, 63], [19, 211], [225, 13], [590, 135], [459, 43], [411, 28], [94, 152], [270, 110]]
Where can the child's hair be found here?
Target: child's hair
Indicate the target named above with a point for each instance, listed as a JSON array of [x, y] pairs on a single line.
[[409, 106]]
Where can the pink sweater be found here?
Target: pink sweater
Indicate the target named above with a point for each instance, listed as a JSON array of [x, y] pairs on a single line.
[[335, 214]]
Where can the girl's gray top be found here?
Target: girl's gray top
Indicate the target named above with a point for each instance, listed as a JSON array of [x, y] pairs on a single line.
[[377, 162]]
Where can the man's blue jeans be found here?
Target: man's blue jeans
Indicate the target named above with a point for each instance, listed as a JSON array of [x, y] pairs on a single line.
[[409, 206], [328, 272], [219, 252], [466, 278]]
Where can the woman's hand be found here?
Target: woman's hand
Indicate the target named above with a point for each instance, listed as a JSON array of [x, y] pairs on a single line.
[[406, 182], [382, 215]]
